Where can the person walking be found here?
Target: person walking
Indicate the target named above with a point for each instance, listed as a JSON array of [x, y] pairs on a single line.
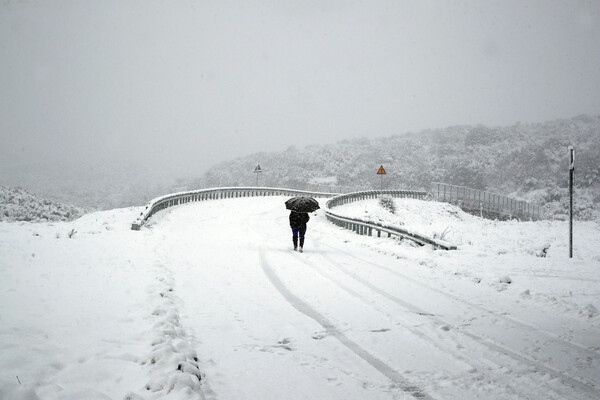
[[298, 222]]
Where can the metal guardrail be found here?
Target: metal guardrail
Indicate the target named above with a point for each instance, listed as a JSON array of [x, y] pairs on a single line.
[[174, 199], [366, 228], [486, 203], [359, 226]]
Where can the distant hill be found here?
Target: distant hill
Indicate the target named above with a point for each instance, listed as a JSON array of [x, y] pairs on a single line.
[[526, 161], [17, 204], [93, 185]]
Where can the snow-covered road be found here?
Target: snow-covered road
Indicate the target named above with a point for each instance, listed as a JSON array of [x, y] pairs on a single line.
[[214, 290]]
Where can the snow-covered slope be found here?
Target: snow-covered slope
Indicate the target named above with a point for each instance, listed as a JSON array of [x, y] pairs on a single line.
[[208, 301]]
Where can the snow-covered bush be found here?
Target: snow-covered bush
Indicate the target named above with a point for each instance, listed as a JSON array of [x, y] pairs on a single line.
[[443, 235], [387, 202], [16, 204]]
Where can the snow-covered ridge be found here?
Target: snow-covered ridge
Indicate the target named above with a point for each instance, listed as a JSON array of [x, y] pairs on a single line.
[[17, 204]]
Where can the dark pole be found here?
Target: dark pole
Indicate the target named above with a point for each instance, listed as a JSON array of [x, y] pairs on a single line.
[[571, 173], [257, 171]]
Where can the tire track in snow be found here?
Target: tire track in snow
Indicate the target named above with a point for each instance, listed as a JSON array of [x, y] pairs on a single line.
[[574, 345], [310, 312], [585, 387], [423, 336], [417, 332]]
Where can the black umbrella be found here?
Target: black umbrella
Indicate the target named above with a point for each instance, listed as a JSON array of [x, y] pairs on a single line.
[[302, 204]]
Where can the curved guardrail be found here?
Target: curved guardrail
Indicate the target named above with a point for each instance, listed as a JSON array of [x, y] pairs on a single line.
[[366, 228], [174, 199], [359, 226]]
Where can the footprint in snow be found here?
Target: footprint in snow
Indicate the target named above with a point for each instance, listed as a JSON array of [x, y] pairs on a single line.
[[380, 330], [284, 344], [320, 335]]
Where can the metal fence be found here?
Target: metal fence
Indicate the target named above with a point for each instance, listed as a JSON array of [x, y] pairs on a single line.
[[485, 203]]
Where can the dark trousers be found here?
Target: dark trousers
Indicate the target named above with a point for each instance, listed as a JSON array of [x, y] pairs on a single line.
[[298, 231]]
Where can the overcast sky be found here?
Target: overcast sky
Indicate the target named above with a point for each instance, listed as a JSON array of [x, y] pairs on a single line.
[[181, 85]]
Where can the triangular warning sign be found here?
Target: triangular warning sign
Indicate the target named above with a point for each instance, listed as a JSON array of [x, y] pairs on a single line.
[[381, 171]]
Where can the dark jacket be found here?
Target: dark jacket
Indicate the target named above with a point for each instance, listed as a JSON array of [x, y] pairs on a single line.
[[298, 219]]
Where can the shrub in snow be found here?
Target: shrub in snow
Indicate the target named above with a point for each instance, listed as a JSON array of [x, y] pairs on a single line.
[[387, 202], [543, 252], [443, 235], [17, 204]]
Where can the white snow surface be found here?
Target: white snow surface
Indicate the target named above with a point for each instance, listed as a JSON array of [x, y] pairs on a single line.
[[209, 301]]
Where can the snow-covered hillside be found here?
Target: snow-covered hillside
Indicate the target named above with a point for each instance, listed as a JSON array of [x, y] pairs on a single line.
[[208, 301], [17, 204], [524, 161]]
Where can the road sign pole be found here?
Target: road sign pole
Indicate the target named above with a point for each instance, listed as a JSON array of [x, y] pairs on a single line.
[[257, 171], [571, 173], [382, 173]]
